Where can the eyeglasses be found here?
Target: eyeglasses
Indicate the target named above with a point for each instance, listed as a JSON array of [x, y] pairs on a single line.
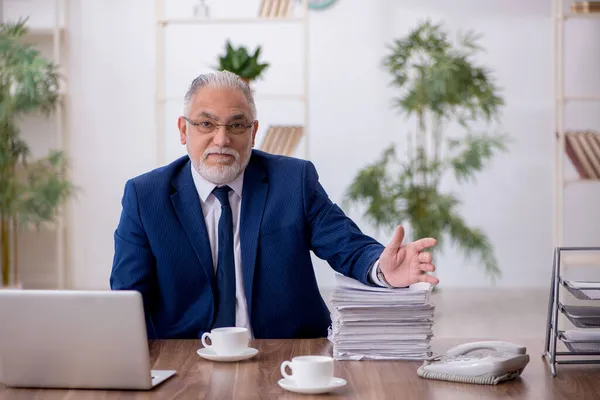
[[235, 128]]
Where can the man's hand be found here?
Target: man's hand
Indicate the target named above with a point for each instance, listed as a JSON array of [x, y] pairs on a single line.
[[405, 264]]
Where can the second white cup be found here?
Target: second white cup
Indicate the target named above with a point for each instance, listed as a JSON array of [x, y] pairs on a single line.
[[226, 341], [309, 371]]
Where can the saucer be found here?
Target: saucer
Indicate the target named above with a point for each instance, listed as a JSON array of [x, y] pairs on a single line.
[[290, 385], [210, 354]]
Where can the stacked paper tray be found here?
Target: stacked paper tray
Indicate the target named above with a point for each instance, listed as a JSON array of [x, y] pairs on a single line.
[[583, 290], [581, 341], [582, 316], [380, 323]]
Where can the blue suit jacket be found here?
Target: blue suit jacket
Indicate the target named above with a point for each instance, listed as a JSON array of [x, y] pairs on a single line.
[[162, 249]]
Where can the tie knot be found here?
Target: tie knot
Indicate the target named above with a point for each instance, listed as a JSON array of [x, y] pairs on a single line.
[[222, 193]]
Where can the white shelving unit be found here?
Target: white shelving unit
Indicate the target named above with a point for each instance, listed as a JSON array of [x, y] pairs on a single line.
[[163, 23], [561, 183], [50, 34]]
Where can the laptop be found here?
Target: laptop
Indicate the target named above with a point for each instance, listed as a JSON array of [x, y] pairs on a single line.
[[75, 340]]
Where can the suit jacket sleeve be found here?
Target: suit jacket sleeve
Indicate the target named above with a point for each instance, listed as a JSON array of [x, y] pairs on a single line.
[[333, 236], [133, 264]]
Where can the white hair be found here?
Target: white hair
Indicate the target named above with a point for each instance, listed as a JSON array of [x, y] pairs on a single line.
[[219, 79]]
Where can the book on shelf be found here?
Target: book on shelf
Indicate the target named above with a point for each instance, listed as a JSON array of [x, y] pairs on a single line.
[[282, 139], [583, 150], [276, 8], [585, 7]]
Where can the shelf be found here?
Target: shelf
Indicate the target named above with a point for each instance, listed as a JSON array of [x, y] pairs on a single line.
[[579, 181], [43, 32], [275, 96], [581, 148], [267, 96], [572, 15], [582, 316], [212, 21], [582, 290], [582, 98]]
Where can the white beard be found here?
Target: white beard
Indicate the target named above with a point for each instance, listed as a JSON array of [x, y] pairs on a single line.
[[222, 174]]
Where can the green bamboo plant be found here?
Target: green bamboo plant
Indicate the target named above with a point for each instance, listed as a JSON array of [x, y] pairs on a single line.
[[438, 84], [31, 191], [241, 62]]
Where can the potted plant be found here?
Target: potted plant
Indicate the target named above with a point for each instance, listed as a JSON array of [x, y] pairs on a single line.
[[438, 84], [31, 191], [241, 62]]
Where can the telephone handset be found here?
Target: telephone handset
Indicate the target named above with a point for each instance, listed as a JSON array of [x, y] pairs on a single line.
[[461, 363], [497, 346]]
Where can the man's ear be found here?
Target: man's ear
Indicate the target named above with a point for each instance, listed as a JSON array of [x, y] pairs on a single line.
[[254, 130], [182, 126]]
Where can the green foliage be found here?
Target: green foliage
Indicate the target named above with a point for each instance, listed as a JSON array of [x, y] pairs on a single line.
[[438, 84], [241, 62], [31, 191]]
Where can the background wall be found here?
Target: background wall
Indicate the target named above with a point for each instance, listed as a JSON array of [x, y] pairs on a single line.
[[112, 119]]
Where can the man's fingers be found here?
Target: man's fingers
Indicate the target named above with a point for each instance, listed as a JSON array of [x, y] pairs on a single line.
[[429, 279], [423, 244], [398, 237], [427, 267], [425, 257]]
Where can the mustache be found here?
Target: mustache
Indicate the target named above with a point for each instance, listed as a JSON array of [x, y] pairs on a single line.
[[221, 150]]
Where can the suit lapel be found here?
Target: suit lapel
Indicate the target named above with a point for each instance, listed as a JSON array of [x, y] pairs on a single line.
[[189, 211], [254, 195]]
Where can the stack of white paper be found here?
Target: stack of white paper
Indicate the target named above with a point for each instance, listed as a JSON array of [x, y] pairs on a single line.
[[380, 323]]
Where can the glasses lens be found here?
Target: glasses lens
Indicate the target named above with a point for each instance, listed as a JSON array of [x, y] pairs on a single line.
[[206, 126], [238, 128]]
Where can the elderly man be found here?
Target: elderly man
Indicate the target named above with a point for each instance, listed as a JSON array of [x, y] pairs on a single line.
[[222, 236]]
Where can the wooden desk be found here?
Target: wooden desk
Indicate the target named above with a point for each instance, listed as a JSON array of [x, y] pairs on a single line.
[[257, 378]]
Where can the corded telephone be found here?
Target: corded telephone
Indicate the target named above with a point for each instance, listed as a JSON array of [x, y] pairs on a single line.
[[460, 364]]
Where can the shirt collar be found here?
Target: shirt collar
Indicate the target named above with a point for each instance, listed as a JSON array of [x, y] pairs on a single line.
[[205, 187]]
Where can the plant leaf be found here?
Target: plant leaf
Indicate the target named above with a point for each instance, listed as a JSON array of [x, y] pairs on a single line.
[[240, 62], [475, 151]]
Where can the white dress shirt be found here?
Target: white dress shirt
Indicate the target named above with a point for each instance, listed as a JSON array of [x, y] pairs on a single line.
[[211, 209]]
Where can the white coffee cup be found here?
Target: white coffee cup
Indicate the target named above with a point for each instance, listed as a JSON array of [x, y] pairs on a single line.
[[309, 371], [226, 341]]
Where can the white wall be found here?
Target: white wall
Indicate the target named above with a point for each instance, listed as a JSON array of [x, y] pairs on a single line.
[[112, 115]]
